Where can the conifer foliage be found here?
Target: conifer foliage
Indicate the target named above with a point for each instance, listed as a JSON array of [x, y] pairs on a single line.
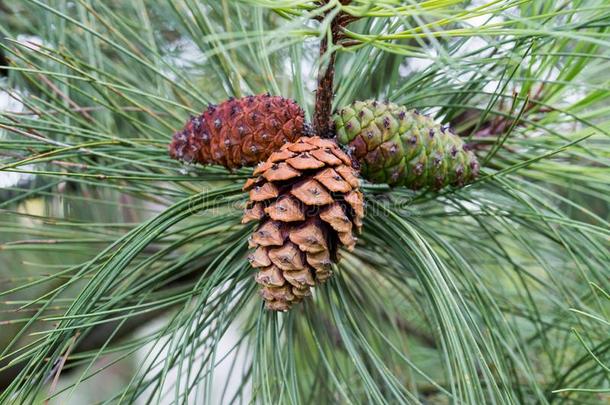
[[476, 274]]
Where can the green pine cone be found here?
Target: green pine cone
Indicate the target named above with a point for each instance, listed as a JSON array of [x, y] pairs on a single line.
[[401, 147]]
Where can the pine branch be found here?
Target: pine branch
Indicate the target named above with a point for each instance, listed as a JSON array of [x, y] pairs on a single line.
[[324, 93], [502, 270], [325, 89]]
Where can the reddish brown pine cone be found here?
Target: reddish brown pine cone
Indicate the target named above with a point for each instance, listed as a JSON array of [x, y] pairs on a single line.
[[306, 197], [239, 132]]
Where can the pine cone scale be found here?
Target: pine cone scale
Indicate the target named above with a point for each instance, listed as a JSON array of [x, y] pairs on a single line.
[[308, 194], [402, 147], [239, 132]]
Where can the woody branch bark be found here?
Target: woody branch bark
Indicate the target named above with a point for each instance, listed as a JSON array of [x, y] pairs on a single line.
[[324, 94], [325, 91]]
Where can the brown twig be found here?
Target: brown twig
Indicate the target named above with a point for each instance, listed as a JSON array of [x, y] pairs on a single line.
[[325, 92], [4, 8], [494, 126], [60, 367], [415, 331], [65, 97], [349, 43]]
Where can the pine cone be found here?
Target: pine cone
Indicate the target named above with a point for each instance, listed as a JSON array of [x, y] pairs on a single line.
[[401, 147], [307, 199], [239, 132]]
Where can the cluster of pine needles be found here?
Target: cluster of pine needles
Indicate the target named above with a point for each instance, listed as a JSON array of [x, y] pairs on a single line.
[[115, 257]]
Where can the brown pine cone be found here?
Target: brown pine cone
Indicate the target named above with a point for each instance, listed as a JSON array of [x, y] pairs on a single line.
[[239, 132], [306, 197]]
